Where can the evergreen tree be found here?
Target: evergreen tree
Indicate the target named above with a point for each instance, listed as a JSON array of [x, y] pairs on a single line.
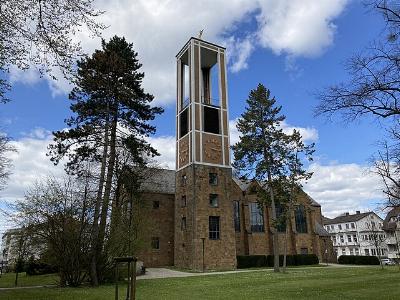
[[111, 119], [261, 152], [275, 159]]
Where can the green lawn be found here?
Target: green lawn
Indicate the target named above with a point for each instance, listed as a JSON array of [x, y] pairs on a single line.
[[313, 283], [8, 279]]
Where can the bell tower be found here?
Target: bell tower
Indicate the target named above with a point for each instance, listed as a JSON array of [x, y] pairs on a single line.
[[204, 231]]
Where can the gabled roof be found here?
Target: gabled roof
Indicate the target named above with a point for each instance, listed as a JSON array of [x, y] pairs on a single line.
[[242, 184], [346, 218], [320, 230], [159, 181]]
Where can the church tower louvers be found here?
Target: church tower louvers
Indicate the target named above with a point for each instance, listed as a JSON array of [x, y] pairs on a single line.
[[204, 231]]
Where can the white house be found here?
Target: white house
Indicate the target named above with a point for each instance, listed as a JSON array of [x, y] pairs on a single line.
[[357, 234], [391, 226]]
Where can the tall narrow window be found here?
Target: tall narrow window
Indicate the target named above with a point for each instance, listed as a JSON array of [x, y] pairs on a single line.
[[184, 123], [155, 243], [212, 178], [301, 219], [213, 225], [256, 217], [183, 201], [236, 215], [183, 223], [280, 218], [185, 85], [211, 119], [213, 200]]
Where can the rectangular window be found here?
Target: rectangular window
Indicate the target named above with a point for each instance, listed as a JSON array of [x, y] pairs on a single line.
[[355, 238], [156, 204], [366, 252], [183, 180], [344, 251], [236, 215], [183, 223], [213, 228], [183, 201], [155, 243], [300, 219], [280, 218], [213, 200], [184, 122], [349, 238], [340, 227], [256, 217], [373, 252], [212, 178], [347, 226], [341, 239], [357, 251], [211, 119], [353, 225], [303, 250]]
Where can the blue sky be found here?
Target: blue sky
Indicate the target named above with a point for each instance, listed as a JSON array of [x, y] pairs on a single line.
[[292, 47]]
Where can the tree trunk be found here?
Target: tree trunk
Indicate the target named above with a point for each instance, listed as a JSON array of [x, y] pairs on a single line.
[[285, 250], [275, 245], [16, 278], [108, 185], [95, 231]]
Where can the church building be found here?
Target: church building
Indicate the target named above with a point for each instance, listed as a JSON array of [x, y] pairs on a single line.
[[199, 216]]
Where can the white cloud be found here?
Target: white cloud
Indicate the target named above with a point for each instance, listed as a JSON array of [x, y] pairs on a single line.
[[298, 27], [30, 164], [165, 145], [343, 188], [309, 134], [159, 28]]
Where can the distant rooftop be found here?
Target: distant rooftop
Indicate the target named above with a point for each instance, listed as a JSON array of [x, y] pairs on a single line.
[[346, 218]]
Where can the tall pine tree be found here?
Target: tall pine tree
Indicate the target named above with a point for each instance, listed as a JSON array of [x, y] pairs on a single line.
[[111, 114], [262, 150]]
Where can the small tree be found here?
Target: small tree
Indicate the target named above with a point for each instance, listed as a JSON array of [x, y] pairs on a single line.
[[376, 238], [262, 150], [58, 212]]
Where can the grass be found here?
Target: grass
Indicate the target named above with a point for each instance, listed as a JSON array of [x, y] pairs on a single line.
[[8, 279], [313, 283]]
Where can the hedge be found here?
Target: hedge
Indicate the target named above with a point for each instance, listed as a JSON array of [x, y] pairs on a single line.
[[358, 260], [252, 261]]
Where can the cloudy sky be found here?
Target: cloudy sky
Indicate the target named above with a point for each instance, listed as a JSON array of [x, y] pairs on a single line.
[[294, 47]]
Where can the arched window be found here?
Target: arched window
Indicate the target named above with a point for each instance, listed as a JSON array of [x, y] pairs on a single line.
[[301, 219]]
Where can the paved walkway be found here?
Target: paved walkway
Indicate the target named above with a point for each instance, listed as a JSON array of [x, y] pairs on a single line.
[[152, 273]]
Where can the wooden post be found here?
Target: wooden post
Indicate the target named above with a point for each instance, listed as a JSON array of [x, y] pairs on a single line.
[[116, 281], [133, 283]]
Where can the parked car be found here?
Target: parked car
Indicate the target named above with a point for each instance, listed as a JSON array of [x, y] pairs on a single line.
[[387, 262]]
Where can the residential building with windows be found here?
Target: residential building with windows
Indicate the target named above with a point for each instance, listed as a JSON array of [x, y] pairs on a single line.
[[357, 234], [391, 226]]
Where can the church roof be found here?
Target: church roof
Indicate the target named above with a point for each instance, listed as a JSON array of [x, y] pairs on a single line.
[[159, 181], [243, 184], [320, 230]]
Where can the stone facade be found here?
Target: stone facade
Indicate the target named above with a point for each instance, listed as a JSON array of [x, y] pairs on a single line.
[[181, 242], [215, 216]]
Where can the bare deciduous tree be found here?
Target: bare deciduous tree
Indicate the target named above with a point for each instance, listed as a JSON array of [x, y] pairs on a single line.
[[41, 33]]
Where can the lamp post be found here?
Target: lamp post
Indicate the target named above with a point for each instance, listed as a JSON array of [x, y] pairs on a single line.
[[203, 239]]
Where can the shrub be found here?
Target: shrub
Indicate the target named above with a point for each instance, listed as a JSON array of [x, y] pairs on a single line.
[[36, 267], [358, 260], [252, 261]]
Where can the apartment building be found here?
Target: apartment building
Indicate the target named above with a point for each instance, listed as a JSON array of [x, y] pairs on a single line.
[[357, 234]]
